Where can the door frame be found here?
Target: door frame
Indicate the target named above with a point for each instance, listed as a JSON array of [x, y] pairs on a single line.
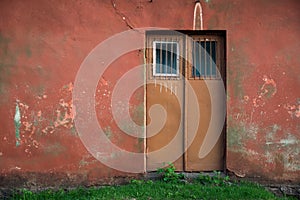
[[190, 33]]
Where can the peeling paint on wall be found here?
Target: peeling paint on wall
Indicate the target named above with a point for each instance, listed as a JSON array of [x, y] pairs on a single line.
[[288, 148], [65, 113], [31, 124], [270, 135], [293, 109], [54, 149], [240, 132], [108, 132], [17, 120], [269, 87], [87, 160], [267, 90]]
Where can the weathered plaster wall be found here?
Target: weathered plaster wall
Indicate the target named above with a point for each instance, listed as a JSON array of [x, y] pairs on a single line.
[[42, 44], [263, 133]]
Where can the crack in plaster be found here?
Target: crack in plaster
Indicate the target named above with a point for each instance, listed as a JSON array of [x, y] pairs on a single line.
[[122, 15]]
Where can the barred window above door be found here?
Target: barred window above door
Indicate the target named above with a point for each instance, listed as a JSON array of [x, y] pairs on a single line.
[[192, 54], [205, 53], [165, 58]]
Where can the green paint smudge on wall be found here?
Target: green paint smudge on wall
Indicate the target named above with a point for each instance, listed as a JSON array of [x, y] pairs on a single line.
[[138, 113], [140, 145], [7, 61], [271, 90], [238, 87], [74, 131], [108, 132], [17, 120], [28, 51], [271, 133], [54, 149], [39, 90], [213, 22], [239, 131], [234, 136]]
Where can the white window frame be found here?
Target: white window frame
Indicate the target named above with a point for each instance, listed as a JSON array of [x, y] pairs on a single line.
[[154, 59]]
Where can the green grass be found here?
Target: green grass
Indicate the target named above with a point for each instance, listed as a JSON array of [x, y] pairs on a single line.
[[138, 189]]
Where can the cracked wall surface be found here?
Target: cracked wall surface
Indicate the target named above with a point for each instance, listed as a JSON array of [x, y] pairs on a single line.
[[43, 43]]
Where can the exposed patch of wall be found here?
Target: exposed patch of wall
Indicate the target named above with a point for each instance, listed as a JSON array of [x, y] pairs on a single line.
[[17, 120], [262, 126], [266, 146], [32, 125]]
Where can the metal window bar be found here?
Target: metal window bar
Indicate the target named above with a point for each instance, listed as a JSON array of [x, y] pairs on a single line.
[[199, 63], [154, 52], [171, 56], [210, 59], [152, 63], [167, 60], [205, 60], [150, 55], [160, 58], [176, 59], [201, 59], [174, 55], [202, 63], [194, 59], [213, 58]]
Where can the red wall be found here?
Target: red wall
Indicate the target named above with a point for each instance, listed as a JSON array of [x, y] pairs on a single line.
[[43, 43]]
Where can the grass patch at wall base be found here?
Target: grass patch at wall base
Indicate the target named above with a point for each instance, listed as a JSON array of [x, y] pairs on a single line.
[[139, 189]]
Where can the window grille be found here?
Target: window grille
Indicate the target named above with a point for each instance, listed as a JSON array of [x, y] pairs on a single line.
[[205, 53], [195, 55], [165, 58]]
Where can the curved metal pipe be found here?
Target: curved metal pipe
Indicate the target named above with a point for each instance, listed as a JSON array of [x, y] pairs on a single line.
[[196, 18]]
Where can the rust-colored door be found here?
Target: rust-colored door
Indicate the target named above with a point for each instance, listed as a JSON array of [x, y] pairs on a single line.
[[181, 75], [164, 101], [205, 75]]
